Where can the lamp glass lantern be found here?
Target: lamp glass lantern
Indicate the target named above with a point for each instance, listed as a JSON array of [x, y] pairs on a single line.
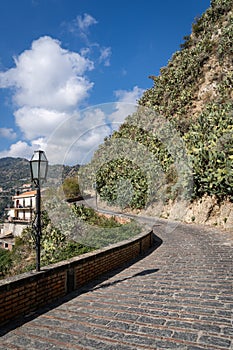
[[38, 166]]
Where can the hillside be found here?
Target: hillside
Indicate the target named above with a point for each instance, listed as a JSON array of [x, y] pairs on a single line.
[[200, 73], [178, 146], [14, 172]]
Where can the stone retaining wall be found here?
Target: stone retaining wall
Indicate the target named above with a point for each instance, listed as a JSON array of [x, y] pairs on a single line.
[[25, 293]]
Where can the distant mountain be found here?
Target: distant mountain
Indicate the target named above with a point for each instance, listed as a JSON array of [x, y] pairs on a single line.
[[14, 172]]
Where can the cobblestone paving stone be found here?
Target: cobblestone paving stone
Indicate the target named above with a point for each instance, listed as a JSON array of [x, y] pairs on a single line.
[[178, 297]]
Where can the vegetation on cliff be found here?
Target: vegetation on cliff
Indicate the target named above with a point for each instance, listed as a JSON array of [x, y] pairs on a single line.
[[179, 143]]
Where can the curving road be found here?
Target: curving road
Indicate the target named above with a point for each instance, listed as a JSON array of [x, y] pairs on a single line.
[[178, 297]]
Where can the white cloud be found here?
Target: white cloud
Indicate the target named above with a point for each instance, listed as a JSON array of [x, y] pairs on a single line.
[[74, 139], [19, 149], [105, 54], [82, 149], [48, 76], [48, 87], [36, 122], [126, 105], [71, 138], [129, 96], [80, 26], [48, 84], [7, 133], [85, 22]]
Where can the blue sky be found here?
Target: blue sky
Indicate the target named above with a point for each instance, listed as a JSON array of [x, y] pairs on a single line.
[[61, 61]]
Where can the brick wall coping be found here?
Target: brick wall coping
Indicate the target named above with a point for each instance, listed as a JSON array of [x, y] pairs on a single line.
[[29, 291], [69, 263]]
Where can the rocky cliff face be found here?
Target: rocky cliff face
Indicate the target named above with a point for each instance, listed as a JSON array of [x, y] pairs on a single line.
[[201, 72], [203, 87], [194, 93]]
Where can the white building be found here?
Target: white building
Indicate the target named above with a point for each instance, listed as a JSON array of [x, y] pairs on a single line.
[[18, 218], [23, 208]]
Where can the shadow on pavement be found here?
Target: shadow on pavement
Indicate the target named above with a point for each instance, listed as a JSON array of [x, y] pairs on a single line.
[[93, 285], [105, 285]]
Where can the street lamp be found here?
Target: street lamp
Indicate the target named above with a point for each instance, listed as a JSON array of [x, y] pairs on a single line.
[[39, 168], [95, 188]]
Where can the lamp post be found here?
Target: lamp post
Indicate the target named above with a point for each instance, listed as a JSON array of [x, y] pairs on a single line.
[[39, 168], [95, 187]]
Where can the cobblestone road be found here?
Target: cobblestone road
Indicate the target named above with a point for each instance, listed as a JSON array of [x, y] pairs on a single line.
[[178, 297]]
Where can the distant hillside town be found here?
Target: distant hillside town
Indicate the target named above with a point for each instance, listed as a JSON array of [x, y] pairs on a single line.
[[17, 216]]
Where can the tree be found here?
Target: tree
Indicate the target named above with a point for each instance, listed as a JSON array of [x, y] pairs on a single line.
[[70, 187], [5, 261]]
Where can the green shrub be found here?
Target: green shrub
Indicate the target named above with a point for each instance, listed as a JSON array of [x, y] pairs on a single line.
[[103, 231], [69, 250], [99, 237], [5, 261], [70, 187], [175, 96], [122, 183], [210, 145], [91, 217]]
